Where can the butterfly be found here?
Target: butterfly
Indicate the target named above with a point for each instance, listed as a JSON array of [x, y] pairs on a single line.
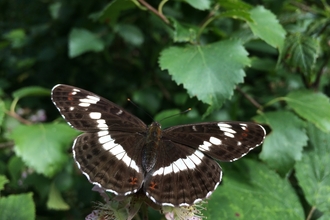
[[174, 167]]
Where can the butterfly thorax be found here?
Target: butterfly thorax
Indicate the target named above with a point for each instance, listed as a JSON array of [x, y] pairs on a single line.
[[149, 152]]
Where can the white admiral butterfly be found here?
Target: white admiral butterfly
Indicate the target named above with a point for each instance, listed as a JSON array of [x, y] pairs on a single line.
[[174, 167]]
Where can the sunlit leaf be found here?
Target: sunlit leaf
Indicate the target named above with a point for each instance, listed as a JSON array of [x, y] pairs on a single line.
[[43, 146], [248, 187], [284, 144]]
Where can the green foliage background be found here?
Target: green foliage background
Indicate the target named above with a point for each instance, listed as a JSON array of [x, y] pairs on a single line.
[[266, 61]]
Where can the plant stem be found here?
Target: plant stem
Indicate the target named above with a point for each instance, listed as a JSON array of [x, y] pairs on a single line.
[[309, 217], [153, 10], [252, 100]]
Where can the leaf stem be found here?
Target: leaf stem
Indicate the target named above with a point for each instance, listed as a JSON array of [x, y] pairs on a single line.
[[153, 10], [248, 97], [311, 213], [160, 7], [316, 83], [18, 117], [210, 17], [13, 114], [274, 101]]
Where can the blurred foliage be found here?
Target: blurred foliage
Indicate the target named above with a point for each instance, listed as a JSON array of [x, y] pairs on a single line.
[[266, 61]]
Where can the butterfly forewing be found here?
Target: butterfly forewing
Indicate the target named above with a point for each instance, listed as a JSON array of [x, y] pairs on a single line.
[[88, 112], [174, 167], [224, 141]]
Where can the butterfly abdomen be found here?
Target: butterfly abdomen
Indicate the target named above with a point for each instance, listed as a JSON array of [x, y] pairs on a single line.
[[149, 152]]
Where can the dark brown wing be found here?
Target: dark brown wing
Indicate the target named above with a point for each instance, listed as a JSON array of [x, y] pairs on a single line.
[[181, 176], [109, 152], [224, 141], [88, 112], [111, 161]]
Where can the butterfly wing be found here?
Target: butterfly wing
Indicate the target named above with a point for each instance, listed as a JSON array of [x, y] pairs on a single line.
[[186, 153], [178, 165], [109, 152], [88, 112], [224, 141]]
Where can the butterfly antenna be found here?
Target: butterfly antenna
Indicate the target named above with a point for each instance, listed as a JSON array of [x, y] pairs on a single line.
[[180, 113], [145, 112]]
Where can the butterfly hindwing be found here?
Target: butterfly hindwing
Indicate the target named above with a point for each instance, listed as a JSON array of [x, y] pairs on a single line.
[[112, 162], [181, 176]]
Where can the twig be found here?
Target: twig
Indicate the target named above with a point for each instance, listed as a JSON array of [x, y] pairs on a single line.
[[7, 144], [19, 118], [254, 102], [316, 83], [309, 217], [152, 9]]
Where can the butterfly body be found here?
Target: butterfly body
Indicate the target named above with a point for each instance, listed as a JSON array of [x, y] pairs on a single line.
[[174, 167]]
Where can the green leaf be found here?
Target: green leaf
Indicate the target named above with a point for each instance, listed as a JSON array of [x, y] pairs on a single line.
[[31, 91], [284, 144], [47, 142], [313, 171], [313, 107], [209, 72], [55, 10], [55, 200], [130, 33], [184, 33], [2, 111], [237, 14], [199, 4], [15, 167], [266, 26], [17, 37], [82, 41], [3, 181], [149, 99], [300, 52], [250, 190], [18, 207], [235, 5], [111, 12]]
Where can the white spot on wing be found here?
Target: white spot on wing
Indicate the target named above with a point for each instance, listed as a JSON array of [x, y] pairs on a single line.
[[102, 124], [84, 104], [188, 163], [179, 164], [226, 129], [102, 133], [109, 145], [76, 90], [215, 141], [91, 101], [105, 139], [168, 169], [205, 146], [71, 108], [228, 134], [224, 125], [95, 115], [94, 98], [119, 112], [160, 171]]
